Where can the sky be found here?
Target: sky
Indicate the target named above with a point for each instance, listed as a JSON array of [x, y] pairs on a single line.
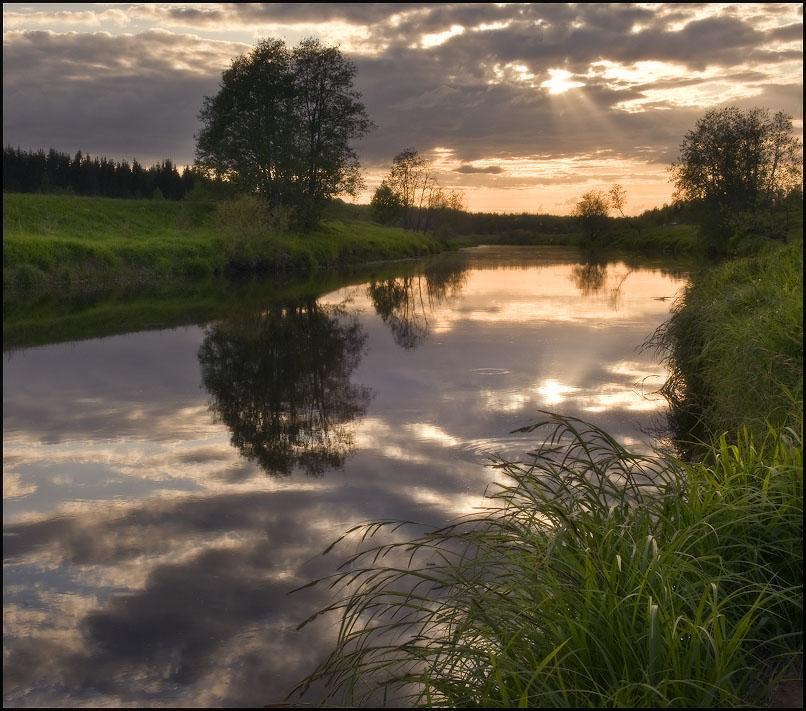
[[523, 106]]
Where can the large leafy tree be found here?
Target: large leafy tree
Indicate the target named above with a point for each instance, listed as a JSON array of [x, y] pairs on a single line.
[[736, 165], [282, 125]]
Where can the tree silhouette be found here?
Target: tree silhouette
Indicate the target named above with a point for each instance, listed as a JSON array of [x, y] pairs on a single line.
[[281, 126], [55, 172], [386, 205], [736, 166], [591, 212], [280, 380], [411, 195]]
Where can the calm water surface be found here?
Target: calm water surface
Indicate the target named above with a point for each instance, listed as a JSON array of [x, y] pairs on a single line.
[[163, 491]]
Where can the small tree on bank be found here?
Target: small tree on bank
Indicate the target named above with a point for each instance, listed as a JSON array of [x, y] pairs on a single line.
[[410, 180], [386, 205], [591, 212], [738, 167], [411, 196], [617, 197], [282, 124]]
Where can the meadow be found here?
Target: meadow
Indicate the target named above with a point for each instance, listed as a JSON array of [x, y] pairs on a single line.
[[54, 240]]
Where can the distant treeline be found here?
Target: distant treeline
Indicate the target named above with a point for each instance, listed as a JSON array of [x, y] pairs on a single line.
[[515, 226], [520, 227], [55, 172]]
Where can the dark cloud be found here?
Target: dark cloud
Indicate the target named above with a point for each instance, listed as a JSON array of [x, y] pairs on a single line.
[[123, 97], [786, 33], [491, 169], [720, 41]]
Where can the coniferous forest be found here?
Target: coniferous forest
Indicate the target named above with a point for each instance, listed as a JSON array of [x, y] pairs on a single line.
[[55, 172]]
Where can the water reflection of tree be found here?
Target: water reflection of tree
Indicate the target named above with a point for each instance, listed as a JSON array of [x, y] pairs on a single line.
[[405, 303], [591, 278], [280, 380]]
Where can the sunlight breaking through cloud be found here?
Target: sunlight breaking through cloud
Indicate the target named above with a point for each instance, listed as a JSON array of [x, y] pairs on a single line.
[[560, 82], [438, 38]]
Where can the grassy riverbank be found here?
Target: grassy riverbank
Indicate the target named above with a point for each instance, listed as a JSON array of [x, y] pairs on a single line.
[[734, 345], [675, 240], [52, 240], [599, 578]]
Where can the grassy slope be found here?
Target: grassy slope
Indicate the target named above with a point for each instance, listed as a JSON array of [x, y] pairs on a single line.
[[50, 240], [735, 345]]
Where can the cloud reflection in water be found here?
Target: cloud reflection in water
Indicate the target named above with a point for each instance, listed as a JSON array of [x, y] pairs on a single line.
[[147, 561]]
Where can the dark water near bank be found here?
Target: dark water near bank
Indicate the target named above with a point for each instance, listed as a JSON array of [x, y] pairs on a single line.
[[163, 491]]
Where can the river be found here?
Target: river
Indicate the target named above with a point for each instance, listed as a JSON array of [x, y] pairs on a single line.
[[164, 490]]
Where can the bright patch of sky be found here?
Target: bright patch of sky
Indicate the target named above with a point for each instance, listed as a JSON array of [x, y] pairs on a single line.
[[438, 38], [560, 82]]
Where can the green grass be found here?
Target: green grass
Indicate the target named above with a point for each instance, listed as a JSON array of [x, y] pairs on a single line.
[[597, 578], [734, 345], [51, 240], [663, 239]]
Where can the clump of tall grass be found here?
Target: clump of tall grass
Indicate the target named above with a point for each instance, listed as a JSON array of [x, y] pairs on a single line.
[[596, 578]]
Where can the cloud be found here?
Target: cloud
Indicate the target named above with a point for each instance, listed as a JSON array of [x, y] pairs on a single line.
[[477, 92], [256, 14], [123, 96], [65, 17], [490, 169], [786, 33]]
